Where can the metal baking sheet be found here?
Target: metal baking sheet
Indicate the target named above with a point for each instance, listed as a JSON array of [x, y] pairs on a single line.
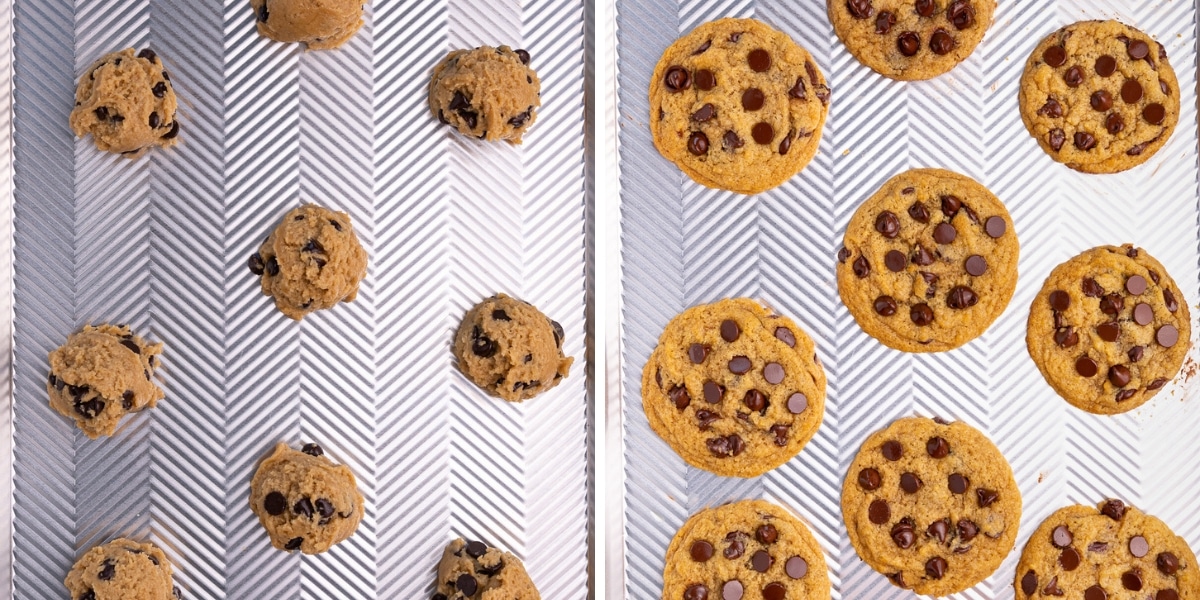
[[161, 243], [684, 244]]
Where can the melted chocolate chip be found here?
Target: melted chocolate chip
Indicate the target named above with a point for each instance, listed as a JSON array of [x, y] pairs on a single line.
[[869, 479], [676, 79]]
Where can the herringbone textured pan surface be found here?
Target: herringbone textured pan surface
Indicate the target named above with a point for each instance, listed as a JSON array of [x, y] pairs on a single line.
[[685, 244], [161, 243]]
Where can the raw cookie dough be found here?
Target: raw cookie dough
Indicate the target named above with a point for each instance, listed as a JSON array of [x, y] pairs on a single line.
[[127, 103], [122, 570], [928, 262], [1099, 96], [304, 500], [101, 374], [488, 93], [1109, 329], [931, 505], [476, 571], [737, 105], [911, 39], [311, 261], [750, 549], [321, 24], [510, 349], [733, 388], [1111, 551]]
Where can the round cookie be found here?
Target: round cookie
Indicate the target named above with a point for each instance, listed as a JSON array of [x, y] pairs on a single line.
[[911, 39], [928, 262], [748, 549], [1111, 551], [320, 24], [1099, 96], [733, 388], [737, 105], [486, 93], [1109, 329], [476, 571], [304, 500], [127, 103], [122, 570], [311, 261], [510, 349], [101, 374], [931, 505]]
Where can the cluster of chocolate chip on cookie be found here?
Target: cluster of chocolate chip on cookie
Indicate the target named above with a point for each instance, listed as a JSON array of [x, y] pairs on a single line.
[[958, 15]]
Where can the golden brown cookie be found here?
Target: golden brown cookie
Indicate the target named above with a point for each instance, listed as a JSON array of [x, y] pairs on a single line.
[[486, 93], [733, 388], [122, 570], [1099, 96], [101, 374], [737, 105], [127, 103], [1111, 551], [304, 500], [911, 39], [750, 549], [510, 349], [319, 24], [476, 571], [928, 262], [931, 505], [1109, 329], [311, 261]]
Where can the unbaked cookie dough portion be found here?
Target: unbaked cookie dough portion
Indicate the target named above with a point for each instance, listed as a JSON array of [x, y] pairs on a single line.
[[304, 500], [122, 570], [476, 571], [487, 93], [127, 103], [320, 24], [510, 349], [311, 261], [101, 374]]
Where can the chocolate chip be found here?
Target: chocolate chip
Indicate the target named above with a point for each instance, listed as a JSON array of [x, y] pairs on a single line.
[[957, 483], [1131, 91], [1138, 546], [861, 267], [976, 265], [903, 535], [1109, 332], [735, 36], [1166, 595], [679, 396], [761, 561], [263, 13], [732, 590], [1169, 299], [909, 43], [482, 346], [1167, 335], [275, 504], [910, 483], [1115, 123], [1131, 580], [697, 353], [869, 479], [701, 551], [736, 546], [698, 591], [1097, 547], [895, 261], [1051, 109], [1138, 49], [1029, 583], [1154, 114], [885, 306], [752, 99], [1069, 559], [293, 543], [698, 143], [1066, 337], [773, 373], [859, 9], [101, 113], [935, 568], [1111, 304], [155, 120], [785, 335], [1052, 588], [796, 567], [942, 43], [1056, 138], [781, 434], [523, 55], [961, 297], [127, 400], [90, 409], [325, 509], [878, 512], [107, 571], [466, 584], [1055, 56], [985, 497], [887, 224], [705, 80], [1102, 101], [739, 365], [706, 418], [762, 133], [797, 403], [702, 49], [172, 132], [1143, 314], [759, 60], [1084, 140], [1136, 284], [159, 90], [1074, 76], [766, 534], [925, 8], [731, 141], [1095, 593], [520, 119], [1113, 509], [272, 267], [1167, 563], [892, 450], [676, 79], [1061, 537], [1092, 289], [967, 530], [884, 22], [730, 331], [730, 445], [755, 400], [303, 507], [1106, 65], [1060, 300], [918, 212], [945, 233], [843, 255], [921, 314], [1156, 384], [713, 392]]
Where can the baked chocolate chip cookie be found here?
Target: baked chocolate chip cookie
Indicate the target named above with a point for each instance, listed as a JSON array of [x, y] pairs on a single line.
[[750, 549], [510, 349], [475, 571], [1109, 329], [737, 105], [911, 39], [928, 262], [1110, 551], [1099, 96], [127, 103], [733, 388], [304, 500], [931, 505]]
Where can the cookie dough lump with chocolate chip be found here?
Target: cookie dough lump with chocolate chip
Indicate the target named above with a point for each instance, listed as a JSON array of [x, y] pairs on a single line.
[[928, 262], [737, 105], [127, 103], [101, 374], [734, 389], [750, 549], [510, 349], [1109, 329], [476, 571], [304, 500], [1099, 96], [487, 93], [320, 24], [312, 261], [122, 570], [1110, 551], [931, 505]]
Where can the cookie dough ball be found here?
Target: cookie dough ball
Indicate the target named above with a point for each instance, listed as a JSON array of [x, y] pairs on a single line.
[[311, 261], [321, 24], [476, 571], [127, 103], [101, 374], [488, 93], [510, 349], [122, 570], [304, 500]]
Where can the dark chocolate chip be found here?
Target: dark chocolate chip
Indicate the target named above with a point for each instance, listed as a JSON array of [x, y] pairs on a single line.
[[895, 261], [1074, 76], [172, 132], [921, 314], [939, 530], [293, 543], [762, 133], [918, 212], [701, 551], [706, 112], [798, 91], [730, 445], [108, 570], [961, 297], [1131, 91], [773, 373], [703, 48], [1056, 138], [885, 306], [155, 120], [942, 43], [753, 99], [892, 450], [1167, 563], [985, 497], [1169, 299], [677, 79], [887, 224], [797, 403], [976, 265], [697, 591], [967, 530], [945, 233], [1114, 123], [908, 43], [1029, 583], [935, 568], [713, 392], [785, 335], [1084, 140], [303, 507], [1102, 101], [466, 584], [755, 400], [698, 143], [1109, 331], [731, 141], [679, 396], [861, 267], [127, 399], [1095, 593], [879, 512], [1069, 559], [1131, 581], [903, 535], [1055, 56], [1154, 114], [1138, 49], [1106, 65], [739, 365], [869, 479], [766, 534], [957, 483], [1061, 537], [910, 483], [523, 55], [1066, 337], [1167, 336], [325, 509], [922, 257], [1138, 546], [730, 331], [705, 80], [859, 9], [759, 60], [697, 353], [1143, 314]]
